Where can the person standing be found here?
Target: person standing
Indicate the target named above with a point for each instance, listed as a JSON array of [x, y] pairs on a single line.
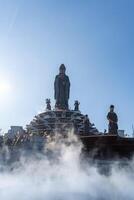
[[113, 121]]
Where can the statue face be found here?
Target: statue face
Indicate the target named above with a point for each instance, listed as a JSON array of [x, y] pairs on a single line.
[[62, 71], [111, 109]]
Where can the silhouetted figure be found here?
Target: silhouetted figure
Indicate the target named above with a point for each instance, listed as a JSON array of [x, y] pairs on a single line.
[[48, 103], [76, 106], [105, 131], [87, 124], [113, 119], [62, 89]]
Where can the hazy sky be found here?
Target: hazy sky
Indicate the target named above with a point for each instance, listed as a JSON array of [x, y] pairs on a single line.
[[93, 38]]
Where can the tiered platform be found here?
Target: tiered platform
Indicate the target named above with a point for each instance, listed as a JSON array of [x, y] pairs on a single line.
[[60, 121]]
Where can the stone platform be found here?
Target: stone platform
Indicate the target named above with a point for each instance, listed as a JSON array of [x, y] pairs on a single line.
[[60, 121]]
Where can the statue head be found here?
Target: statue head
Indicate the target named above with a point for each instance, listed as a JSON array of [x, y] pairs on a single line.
[[112, 108], [62, 69]]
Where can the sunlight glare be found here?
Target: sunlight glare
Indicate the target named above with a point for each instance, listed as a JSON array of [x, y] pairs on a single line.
[[5, 88]]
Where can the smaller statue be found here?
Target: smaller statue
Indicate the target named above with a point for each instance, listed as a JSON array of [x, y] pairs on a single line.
[[76, 106], [87, 124], [48, 103], [113, 121]]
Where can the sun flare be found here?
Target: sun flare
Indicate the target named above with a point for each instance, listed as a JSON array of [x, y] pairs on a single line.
[[5, 87]]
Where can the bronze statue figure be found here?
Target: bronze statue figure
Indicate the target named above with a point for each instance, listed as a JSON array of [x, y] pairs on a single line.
[[113, 121], [62, 89]]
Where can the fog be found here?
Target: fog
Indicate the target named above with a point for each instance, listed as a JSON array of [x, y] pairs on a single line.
[[64, 175]]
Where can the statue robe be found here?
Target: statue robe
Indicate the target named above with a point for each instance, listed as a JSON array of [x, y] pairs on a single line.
[[62, 91]]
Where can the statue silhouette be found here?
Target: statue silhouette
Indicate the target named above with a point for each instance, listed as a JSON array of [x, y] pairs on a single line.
[[62, 89]]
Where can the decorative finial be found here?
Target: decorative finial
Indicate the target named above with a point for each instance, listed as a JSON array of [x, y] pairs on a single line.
[[76, 105], [48, 104]]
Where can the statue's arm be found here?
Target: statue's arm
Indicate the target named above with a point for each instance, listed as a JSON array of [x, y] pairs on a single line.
[[116, 117]]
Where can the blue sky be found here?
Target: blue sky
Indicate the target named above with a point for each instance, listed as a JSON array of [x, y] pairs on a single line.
[[93, 38]]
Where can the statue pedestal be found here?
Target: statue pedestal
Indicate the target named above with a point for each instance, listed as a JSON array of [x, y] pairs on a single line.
[[61, 121]]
